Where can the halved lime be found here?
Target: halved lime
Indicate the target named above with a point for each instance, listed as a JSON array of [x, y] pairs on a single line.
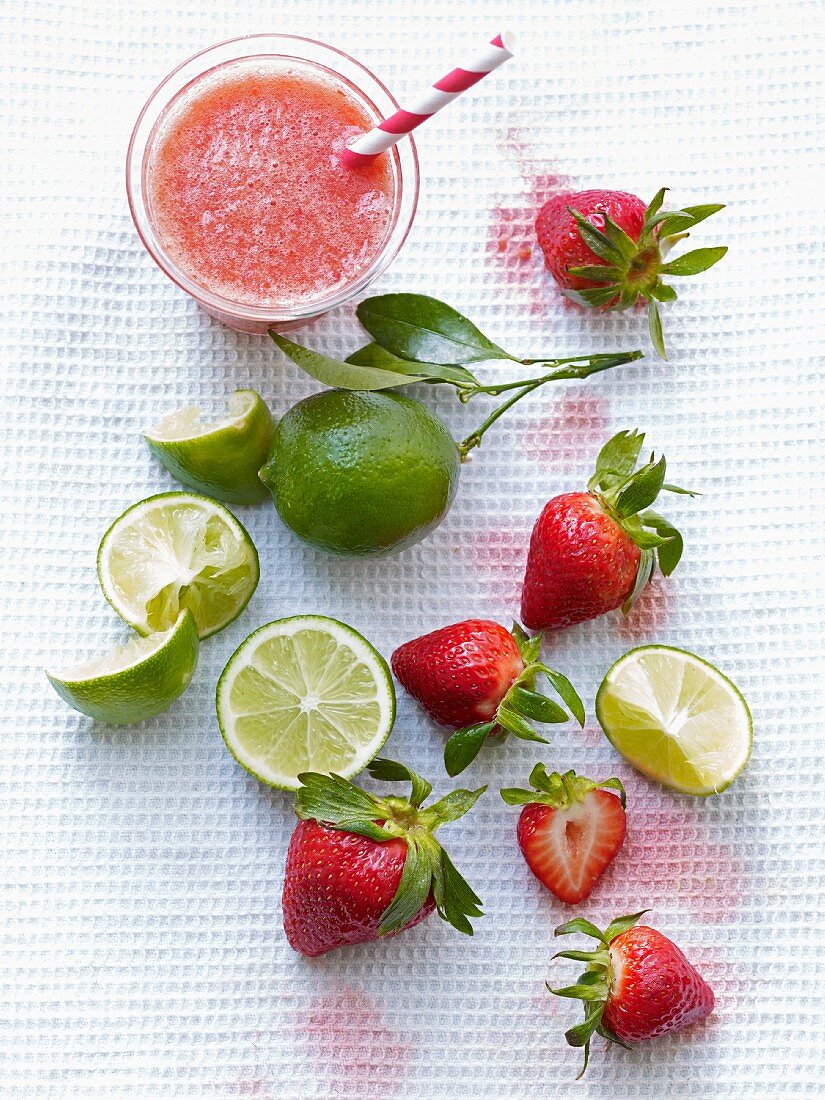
[[220, 459], [676, 718], [136, 680], [305, 694], [173, 551]]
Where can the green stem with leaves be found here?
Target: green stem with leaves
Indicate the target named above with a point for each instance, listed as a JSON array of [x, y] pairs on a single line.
[[576, 367]]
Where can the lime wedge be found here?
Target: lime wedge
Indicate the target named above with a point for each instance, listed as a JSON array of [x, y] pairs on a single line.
[[135, 681], [219, 459], [305, 694], [175, 551], [676, 718]]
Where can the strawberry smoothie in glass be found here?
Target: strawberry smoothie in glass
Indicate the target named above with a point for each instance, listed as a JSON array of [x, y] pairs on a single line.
[[237, 187]]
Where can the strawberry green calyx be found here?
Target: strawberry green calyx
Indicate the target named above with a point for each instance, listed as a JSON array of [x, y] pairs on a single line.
[[520, 706], [557, 790], [634, 269], [338, 804], [593, 986], [626, 494]]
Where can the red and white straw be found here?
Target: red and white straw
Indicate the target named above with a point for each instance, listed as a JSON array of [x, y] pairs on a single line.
[[393, 129]]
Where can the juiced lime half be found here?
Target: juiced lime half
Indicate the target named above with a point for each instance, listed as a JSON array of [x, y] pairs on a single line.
[[676, 718], [305, 694], [174, 551], [135, 681], [220, 459]]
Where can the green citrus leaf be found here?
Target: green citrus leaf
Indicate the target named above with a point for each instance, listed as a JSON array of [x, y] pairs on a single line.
[[425, 330], [373, 355], [338, 375]]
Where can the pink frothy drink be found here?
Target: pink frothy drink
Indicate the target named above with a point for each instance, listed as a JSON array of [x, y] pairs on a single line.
[[238, 188]]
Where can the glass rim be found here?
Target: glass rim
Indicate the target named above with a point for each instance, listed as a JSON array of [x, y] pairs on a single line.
[[407, 183]]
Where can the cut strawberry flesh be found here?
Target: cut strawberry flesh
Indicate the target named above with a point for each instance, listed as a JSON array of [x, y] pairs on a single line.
[[568, 850]]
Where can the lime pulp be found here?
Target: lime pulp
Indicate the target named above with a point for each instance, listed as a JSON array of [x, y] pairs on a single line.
[[676, 718], [305, 693], [176, 551]]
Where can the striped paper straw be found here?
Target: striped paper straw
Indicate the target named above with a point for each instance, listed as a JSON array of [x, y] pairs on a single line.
[[392, 129]]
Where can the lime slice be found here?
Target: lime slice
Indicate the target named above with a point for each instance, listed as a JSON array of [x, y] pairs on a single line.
[[135, 681], [220, 459], [174, 551], [676, 718], [305, 694]]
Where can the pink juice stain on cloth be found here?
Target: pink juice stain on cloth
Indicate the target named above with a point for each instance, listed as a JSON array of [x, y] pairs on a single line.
[[651, 613], [247, 191], [347, 1035], [568, 437], [671, 855], [512, 248]]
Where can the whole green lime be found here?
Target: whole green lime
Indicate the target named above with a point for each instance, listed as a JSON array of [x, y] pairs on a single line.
[[360, 473]]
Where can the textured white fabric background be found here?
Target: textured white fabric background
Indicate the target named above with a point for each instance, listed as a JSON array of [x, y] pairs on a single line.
[[141, 953]]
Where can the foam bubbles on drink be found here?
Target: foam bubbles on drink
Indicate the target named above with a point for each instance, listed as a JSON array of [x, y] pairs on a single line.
[[247, 190]]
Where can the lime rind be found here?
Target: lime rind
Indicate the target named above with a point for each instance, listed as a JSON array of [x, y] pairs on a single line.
[[175, 551], [219, 458], [676, 718], [134, 681], [306, 693]]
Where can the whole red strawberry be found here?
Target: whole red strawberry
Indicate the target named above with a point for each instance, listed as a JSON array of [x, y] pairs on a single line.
[[594, 551], [637, 985], [479, 679], [361, 867], [570, 829], [607, 249], [560, 237]]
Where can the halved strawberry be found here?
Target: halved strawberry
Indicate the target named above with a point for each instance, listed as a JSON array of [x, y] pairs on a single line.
[[570, 830]]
